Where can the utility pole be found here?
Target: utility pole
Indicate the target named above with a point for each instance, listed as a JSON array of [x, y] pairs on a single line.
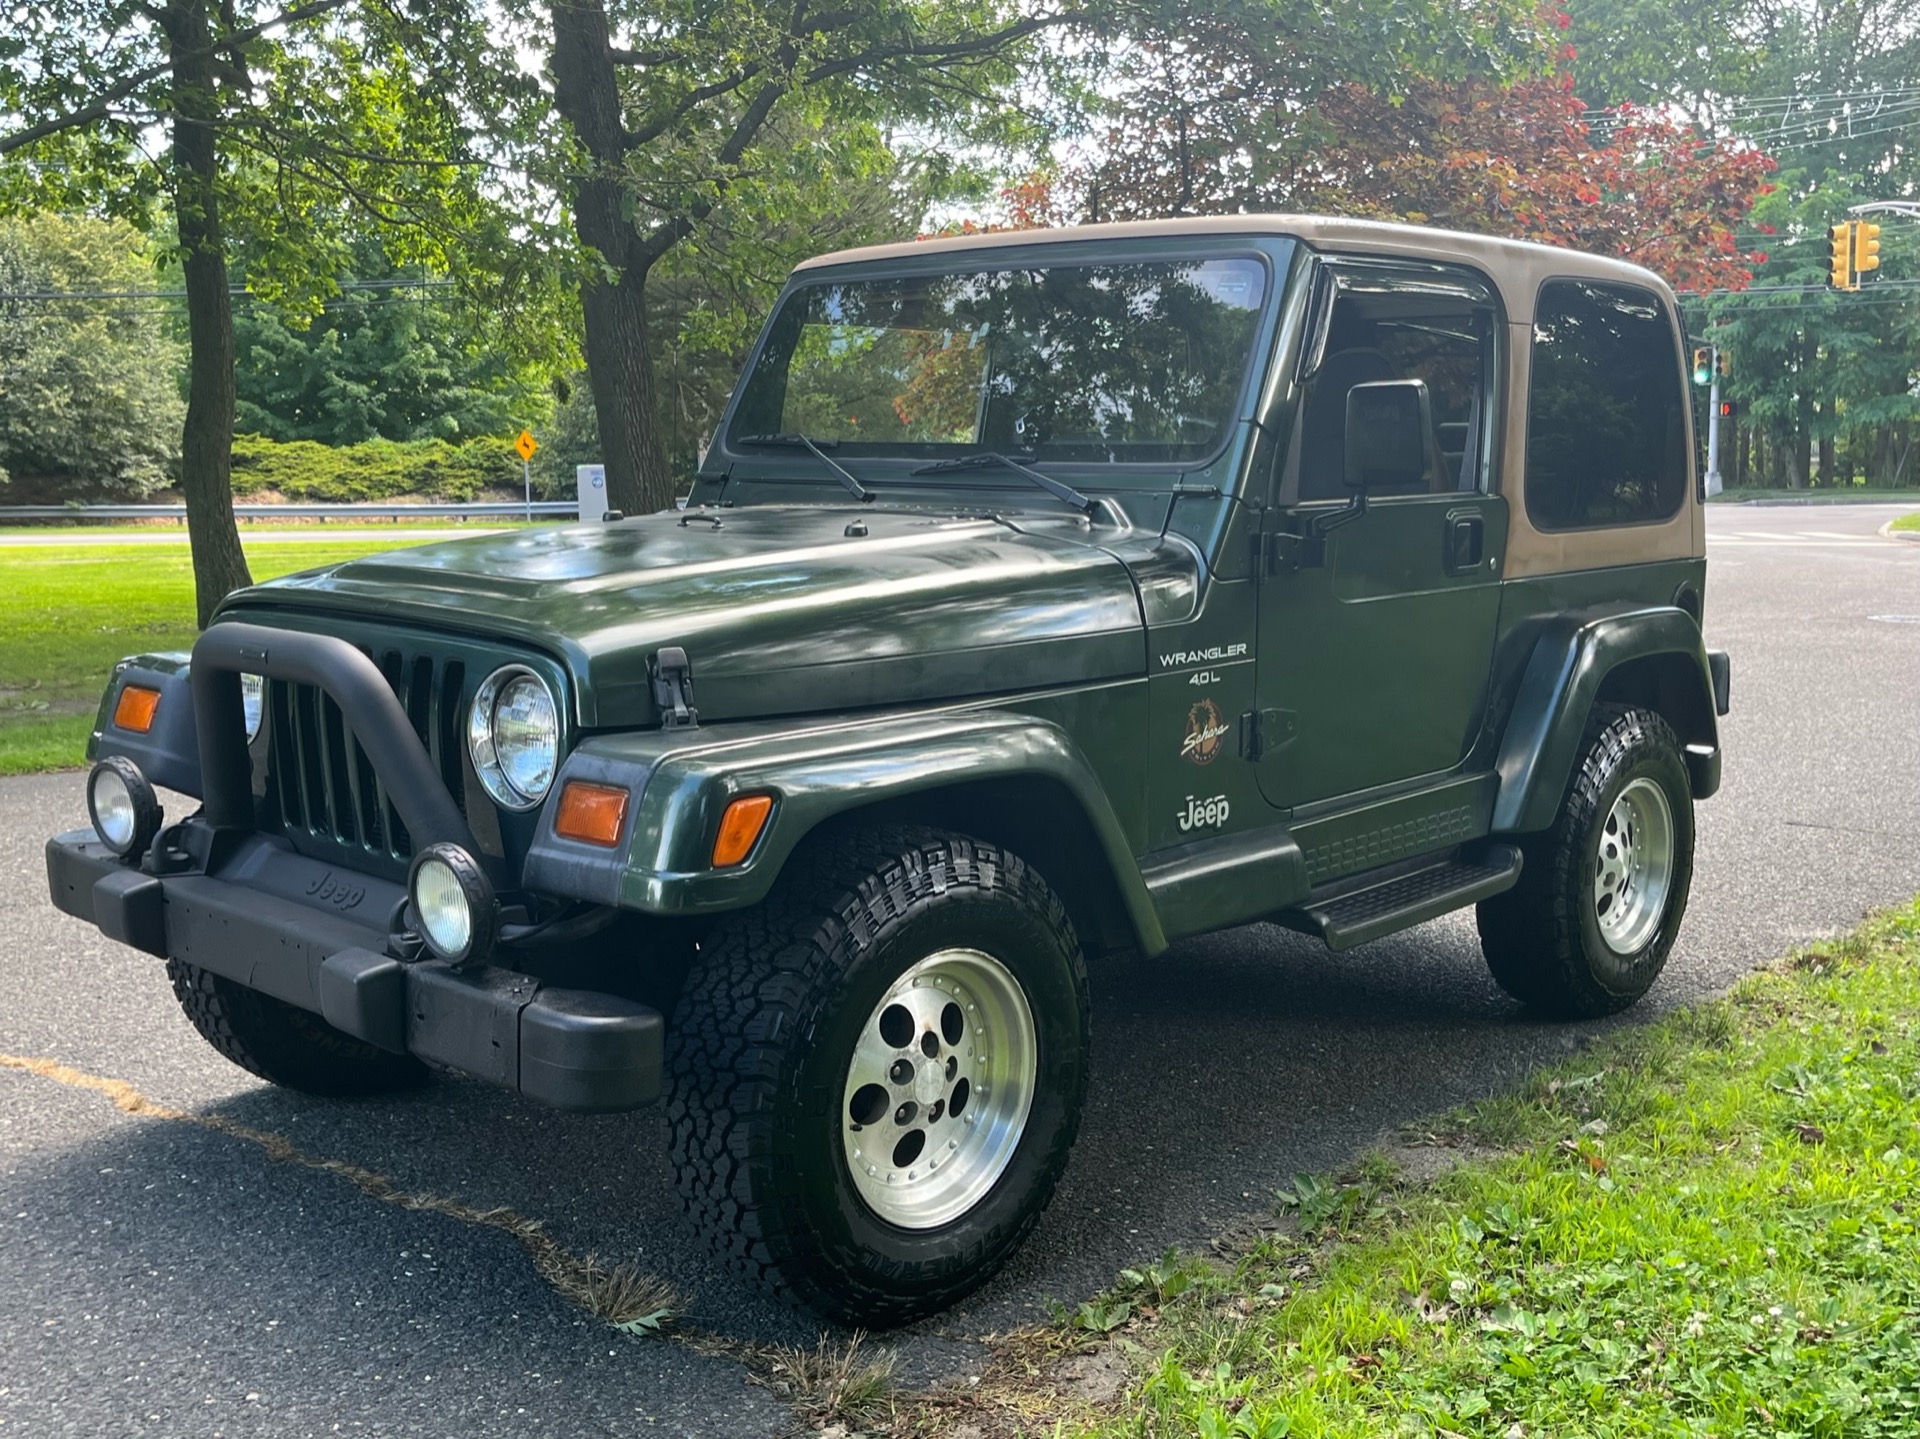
[[1714, 482]]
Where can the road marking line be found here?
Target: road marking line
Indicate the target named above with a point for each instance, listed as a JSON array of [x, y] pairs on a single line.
[[619, 1294]]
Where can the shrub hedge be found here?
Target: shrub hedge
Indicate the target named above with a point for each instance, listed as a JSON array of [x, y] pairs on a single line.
[[375, 470]]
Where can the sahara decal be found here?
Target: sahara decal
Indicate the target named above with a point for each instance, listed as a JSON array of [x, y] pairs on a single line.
[[1204, 813], [1205, 729], [1211, 655]]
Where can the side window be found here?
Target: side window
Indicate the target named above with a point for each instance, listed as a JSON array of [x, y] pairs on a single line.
[[1606, 424], [1383, 328]]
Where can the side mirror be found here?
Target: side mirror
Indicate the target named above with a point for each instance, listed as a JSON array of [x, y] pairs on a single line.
[[1388, 424]]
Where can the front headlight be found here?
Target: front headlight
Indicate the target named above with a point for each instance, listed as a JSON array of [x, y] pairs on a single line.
[[513, 735]]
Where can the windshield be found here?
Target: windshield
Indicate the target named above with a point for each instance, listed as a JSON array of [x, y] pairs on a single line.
[[1116, 363]]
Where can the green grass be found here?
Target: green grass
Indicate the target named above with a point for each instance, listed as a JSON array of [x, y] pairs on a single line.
[[1702, 1226], [1906, 522], [73, 611]]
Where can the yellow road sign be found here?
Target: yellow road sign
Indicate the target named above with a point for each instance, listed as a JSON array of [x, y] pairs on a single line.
[[526, 444]]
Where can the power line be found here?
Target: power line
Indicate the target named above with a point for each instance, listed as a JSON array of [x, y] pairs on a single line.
[[236, 291]]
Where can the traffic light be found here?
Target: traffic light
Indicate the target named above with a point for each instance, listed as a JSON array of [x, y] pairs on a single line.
[[1702, 364], [1866, 248], [1840, 269], [1727, 411]]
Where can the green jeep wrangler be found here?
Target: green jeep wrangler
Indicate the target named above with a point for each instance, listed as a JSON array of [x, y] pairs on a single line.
[[1041, 594]]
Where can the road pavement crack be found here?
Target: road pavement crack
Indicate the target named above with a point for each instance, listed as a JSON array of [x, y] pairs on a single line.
[[619, 1294], [857, 1383]]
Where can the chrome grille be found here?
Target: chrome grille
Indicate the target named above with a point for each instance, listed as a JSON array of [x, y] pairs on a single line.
[[330, 801]]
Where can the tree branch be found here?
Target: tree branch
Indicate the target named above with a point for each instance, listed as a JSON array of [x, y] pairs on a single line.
[[102, 105], [940, 52], [688, 103]]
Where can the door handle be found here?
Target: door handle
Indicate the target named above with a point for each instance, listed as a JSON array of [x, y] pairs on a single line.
[[1466, 543]]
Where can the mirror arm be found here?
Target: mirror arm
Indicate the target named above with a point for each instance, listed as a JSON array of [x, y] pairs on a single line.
[[1322, 525]]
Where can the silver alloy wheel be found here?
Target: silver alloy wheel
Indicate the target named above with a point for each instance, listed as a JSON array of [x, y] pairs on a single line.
[[938, 1089], [1633, 867]]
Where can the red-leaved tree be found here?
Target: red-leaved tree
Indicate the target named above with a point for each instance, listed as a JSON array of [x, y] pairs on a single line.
[[1215, 125]]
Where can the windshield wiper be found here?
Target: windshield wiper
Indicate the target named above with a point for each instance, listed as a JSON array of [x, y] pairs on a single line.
[[796, 441], [1057, 488]]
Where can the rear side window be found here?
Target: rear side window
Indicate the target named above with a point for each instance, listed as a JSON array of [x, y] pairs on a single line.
[[1606, 424]]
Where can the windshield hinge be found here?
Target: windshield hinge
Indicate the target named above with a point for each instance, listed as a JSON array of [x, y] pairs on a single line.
[[672, 676], [1264, 731]]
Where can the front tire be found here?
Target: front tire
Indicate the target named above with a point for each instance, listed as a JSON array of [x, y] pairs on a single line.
[[878, 1074], [283, 1043], [1588, 928]]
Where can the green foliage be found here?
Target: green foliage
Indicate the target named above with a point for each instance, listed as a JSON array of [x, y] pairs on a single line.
[[375, 470], [1702, 1226], [393, 361], [88, 404]]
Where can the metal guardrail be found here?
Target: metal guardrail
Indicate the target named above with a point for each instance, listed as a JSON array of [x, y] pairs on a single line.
[[489, 509]]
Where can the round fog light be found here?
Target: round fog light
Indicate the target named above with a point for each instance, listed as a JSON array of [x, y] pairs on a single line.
[[123, 807], [453, 903]]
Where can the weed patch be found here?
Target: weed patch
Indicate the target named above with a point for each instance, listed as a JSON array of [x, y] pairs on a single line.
[[1706, 1225]]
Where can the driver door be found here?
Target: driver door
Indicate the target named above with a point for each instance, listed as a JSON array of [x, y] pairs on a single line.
[[1375, 642]]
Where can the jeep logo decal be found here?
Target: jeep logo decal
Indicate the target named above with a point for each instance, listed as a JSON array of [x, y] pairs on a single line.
[[1204, 813], [336, 892], [1205, 730]]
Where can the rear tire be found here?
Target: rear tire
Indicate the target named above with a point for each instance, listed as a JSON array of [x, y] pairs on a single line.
[[1587, 929], [909, 1005], [283, 1043]]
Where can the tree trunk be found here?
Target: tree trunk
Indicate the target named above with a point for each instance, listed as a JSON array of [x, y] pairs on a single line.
[[613, 300], [1829, 468], [206, 450]]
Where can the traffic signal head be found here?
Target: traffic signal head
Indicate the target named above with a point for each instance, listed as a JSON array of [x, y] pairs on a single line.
[[1702, 364], [1840, 268], [1866, 247], [1726, 410]]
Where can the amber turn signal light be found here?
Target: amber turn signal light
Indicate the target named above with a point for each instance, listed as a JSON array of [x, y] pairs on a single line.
[[135, 708], [740, 828], [591, 813]]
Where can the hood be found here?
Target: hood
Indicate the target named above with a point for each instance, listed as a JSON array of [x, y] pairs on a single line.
[[779, 607]]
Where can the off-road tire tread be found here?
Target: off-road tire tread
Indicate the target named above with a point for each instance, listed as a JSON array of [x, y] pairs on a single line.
[[1531, 935], [283, 1043], [742, 1001]]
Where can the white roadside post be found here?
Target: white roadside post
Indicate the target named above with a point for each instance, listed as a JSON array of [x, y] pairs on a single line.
[[590, 483]]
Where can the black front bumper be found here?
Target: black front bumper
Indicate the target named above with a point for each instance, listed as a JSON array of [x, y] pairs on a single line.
[[293, 928]]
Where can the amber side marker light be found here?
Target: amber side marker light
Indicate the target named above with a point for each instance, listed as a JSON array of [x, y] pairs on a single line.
[[740, 827], [591, 813], [135, 708]]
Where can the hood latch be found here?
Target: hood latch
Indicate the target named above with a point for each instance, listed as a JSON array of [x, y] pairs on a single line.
[[672, 676]]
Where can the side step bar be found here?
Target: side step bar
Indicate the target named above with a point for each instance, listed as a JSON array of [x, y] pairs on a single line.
[[1399, 903]]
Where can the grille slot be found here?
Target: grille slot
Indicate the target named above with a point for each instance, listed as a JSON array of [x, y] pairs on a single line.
[[330, 801]]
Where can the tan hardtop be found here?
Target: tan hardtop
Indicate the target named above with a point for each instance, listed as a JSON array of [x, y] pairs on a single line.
[[1516, 266]]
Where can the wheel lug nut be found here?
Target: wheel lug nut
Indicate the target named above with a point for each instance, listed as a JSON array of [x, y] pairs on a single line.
[[902, 1071]]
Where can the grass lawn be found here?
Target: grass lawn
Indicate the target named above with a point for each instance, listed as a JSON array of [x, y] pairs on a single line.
[[1906, 522], [72, 611], [1701, 1226]]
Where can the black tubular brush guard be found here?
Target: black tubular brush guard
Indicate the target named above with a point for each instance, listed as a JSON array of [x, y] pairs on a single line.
[[215, 893]]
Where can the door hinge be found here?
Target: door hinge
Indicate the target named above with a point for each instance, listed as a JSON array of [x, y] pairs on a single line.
[[1264, 731], [672, 677]]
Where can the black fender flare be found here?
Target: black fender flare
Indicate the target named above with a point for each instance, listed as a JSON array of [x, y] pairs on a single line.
[[1576, 662]]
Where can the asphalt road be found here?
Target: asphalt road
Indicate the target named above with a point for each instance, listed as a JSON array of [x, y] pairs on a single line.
[[159, 1278]]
